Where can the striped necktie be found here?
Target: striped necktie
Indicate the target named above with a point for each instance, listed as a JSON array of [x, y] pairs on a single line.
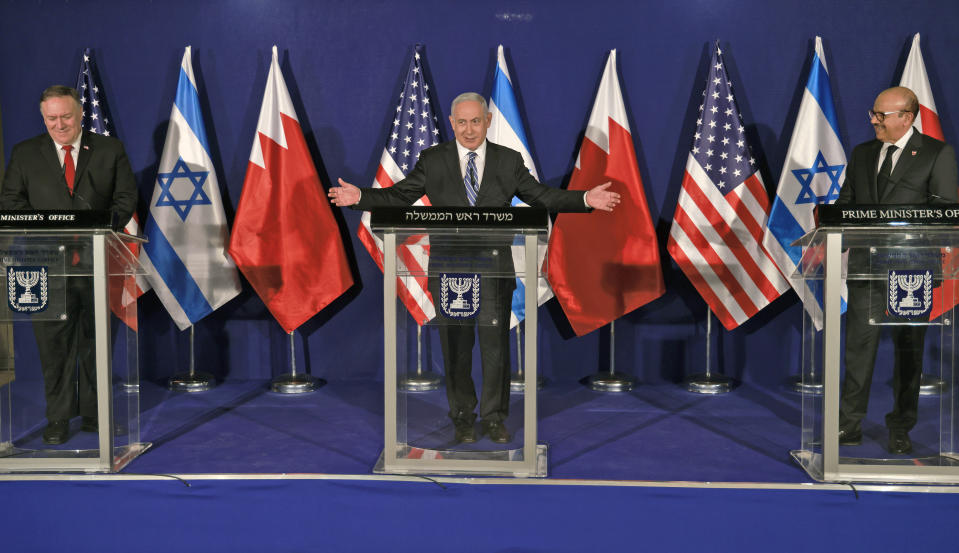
[[472, 186]]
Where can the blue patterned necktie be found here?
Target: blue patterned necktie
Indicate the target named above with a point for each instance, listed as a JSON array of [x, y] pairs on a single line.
[[472, 187]]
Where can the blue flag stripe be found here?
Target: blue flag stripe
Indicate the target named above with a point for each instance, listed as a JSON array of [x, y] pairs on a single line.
[[505, 101], [818, 85], [188, 103], [786, 229], [175, 275]]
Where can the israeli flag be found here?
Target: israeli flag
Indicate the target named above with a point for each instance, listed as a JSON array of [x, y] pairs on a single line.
[[506, 129], [186, 253], [813, 172]]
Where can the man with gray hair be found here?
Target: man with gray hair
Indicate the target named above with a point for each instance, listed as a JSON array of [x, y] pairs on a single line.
[[471, 171], [68, 169]]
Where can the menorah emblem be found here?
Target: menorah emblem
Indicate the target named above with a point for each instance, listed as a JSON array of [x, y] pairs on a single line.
[[910, 293], [28, 279], [27, 288], [910, 283], [466, 288], [460, 286]]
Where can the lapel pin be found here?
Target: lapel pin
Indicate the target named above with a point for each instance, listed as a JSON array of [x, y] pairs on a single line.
[[87, 148], [914, 152]]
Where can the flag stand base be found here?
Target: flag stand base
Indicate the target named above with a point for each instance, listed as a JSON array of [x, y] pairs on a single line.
[[610, 382], [931, 385], [295, 384], [704, 383], [517, 383], [419, 382], [192, 382], [809, 386]]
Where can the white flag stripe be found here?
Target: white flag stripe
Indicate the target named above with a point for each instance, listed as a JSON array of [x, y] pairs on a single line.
[[915, 78], [698, 263], [742, 279], [719, 204]]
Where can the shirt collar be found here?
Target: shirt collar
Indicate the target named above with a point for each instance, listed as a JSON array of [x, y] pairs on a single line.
[[903, 140], [75, 143], [461, 150]]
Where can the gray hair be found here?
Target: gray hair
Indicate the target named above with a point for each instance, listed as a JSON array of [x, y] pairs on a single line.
[[60, 91], [469, 97]]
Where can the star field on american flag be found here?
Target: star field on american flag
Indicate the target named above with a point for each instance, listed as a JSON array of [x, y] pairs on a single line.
[[414, 125], [719, 144], [95, 114]]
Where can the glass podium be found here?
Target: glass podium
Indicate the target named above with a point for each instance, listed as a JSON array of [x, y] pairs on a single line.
[[459, 262], [895, 270], [55, 265]]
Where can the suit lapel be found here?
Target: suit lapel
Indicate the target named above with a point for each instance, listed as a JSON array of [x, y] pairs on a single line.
[[873, 171], [910, 152], [83, 157], [49, 152], [454, 175], [489, 172]]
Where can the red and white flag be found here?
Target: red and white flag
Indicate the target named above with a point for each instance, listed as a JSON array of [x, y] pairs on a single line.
[[415, 128], [915, 78], [603, 265], [285, 240], [717, 231]]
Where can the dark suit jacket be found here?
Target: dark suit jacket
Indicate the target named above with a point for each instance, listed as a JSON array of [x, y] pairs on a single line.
[[437, 175], [104, 179], [925, 173]]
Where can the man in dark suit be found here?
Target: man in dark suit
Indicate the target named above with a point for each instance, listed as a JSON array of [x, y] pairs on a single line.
[[901, 166], [68, 169], [464, 172]]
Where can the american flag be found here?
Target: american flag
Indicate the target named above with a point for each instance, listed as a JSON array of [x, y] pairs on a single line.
[[716, 235], [96, 119], [413, 130]]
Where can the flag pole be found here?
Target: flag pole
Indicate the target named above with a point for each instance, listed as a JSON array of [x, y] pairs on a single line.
[[517, 380], [192, 381], [709, 383], [291, 382], [611, 381], [419, 381]]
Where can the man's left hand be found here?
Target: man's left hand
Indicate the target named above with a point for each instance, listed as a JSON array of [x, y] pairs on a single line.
[[601, 198]]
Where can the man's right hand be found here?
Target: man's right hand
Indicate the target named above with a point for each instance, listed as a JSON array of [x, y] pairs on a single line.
[[344, 195]]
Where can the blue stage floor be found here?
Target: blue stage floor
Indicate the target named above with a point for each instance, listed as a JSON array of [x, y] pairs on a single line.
[[658, 433]]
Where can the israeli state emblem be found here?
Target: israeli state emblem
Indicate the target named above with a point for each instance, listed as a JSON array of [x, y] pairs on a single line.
[[459, 295], [910, 293], [27, 288]]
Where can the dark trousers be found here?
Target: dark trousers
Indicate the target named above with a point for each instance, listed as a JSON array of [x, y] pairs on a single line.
[[67, 355], [862, 341], [458, 336]]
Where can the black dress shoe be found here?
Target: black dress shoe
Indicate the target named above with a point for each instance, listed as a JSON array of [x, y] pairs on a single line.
[[899, 442], [850, 437], [56, 432], [89, 424], [465, 433], [496, 432]]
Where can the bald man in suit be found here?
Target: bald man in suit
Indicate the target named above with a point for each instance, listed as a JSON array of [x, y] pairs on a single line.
[[37, 178], [900, 166]]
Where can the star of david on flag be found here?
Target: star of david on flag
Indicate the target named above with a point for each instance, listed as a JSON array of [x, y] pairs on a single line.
[[806, 176], [186, 255], [812, 174], [165, 182]]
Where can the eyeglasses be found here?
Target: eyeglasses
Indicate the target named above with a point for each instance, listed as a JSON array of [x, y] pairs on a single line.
[[881, 115]]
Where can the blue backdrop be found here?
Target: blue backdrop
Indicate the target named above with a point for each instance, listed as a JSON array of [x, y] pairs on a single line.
[[344, 62]]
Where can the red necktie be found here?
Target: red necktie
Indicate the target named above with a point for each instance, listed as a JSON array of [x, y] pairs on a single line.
[[69, 169]]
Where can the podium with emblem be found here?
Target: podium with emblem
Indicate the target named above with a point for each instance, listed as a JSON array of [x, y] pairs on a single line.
[[60, 267], [898, 268], [457, 272]]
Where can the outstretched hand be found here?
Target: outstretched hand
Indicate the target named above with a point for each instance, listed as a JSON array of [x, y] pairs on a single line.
[[344, 195], [601, 198]]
